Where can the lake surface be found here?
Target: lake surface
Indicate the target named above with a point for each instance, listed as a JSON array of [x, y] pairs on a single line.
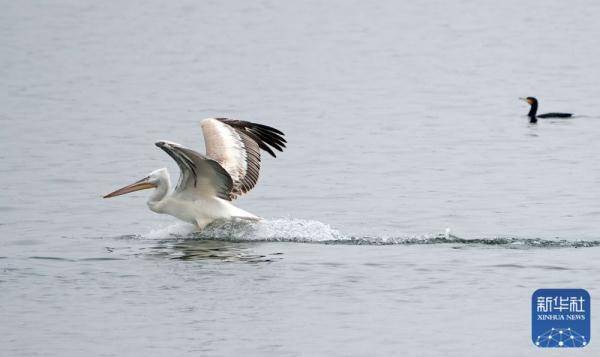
[[414, 212]]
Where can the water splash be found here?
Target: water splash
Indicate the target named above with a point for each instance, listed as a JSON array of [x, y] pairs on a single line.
[[175, 230], [454, 240], [277, 230], [309, 231]]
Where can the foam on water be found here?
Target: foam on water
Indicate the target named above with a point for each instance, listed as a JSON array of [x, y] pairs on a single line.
[[509, 242], [310, 231], [275, 230], [174, 230]]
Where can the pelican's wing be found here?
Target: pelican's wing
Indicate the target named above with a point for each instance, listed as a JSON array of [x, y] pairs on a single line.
[[236, 144], [200, 176]]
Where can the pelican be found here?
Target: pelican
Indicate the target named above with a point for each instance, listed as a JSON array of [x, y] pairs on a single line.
[[208, 183]]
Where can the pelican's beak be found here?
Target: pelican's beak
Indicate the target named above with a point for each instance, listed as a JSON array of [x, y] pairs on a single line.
[[142, 184]]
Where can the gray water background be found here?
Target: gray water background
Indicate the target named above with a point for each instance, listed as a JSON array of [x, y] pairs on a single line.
[[402, 121]]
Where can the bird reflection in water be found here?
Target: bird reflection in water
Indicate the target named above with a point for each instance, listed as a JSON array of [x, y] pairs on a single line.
[[202, 249]]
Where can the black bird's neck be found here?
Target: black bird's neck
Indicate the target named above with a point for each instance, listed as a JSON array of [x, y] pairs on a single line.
[[533, 111]]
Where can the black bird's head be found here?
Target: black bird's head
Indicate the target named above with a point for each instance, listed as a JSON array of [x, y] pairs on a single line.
[[530, 100], [533, 110]]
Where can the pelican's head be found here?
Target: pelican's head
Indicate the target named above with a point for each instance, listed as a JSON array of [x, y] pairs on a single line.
[[157, 178], [530, 100]]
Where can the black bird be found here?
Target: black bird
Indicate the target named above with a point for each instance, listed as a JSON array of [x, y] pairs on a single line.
[[533, 111]]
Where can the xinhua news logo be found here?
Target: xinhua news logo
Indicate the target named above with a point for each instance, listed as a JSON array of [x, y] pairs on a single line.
[[560, 318]]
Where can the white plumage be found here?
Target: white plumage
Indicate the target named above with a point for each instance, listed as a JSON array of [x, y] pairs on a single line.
[[208, 183]]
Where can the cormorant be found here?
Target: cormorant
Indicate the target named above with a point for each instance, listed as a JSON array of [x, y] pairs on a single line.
[[533, 111]]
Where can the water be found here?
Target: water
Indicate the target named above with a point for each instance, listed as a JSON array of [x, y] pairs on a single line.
[[402, 121]]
